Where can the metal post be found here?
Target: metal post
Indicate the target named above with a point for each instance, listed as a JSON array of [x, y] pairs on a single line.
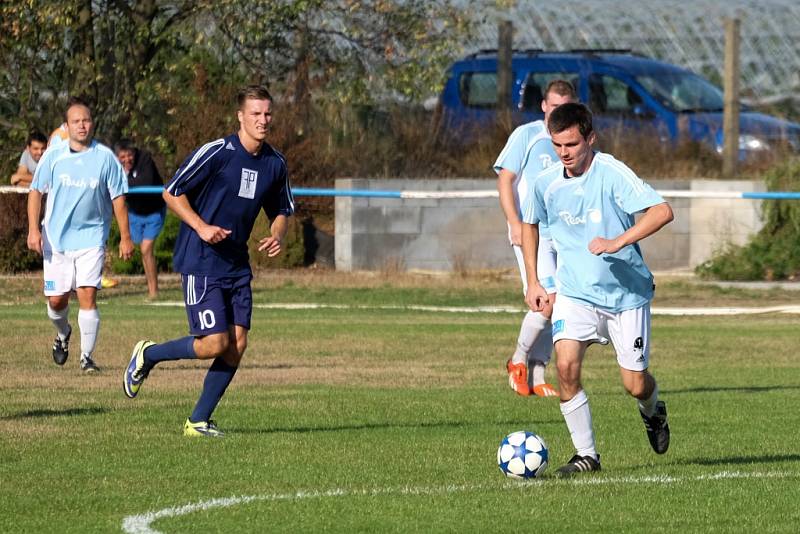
[[730, 121], [504, 73]]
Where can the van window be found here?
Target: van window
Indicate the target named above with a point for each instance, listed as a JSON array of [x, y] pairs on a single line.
[[684, 92], [478, 89], [611, 95], [532, 92]]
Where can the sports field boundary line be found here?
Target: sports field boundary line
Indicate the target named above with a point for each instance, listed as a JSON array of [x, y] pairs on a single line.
[[142, 523], [672, 311]]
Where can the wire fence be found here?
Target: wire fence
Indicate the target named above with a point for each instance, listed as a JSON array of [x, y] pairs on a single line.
[[690, 34]]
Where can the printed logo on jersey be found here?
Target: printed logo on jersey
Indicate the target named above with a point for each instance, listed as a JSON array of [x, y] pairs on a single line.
[[67, 181], [558, 326], [247, 189], [229, 146], [594, 215], [578, 191], [49, 285], [545, 160]]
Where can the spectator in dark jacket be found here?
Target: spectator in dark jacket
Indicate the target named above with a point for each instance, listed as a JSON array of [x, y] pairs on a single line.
[[146, 211]]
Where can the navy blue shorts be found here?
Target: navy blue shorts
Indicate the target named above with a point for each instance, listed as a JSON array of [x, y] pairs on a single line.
[[214, 304]]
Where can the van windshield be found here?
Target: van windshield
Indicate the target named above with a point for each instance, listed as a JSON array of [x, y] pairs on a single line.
[[683, 92]]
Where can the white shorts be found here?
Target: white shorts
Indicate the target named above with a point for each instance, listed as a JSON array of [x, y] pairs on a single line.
[[65, 271], [629, 331], [545, 264]]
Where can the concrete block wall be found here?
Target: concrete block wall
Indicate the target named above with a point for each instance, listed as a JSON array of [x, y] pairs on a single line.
[[454, 234]]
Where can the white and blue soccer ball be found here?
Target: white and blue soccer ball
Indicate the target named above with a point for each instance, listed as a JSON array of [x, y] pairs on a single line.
[[522, 455]]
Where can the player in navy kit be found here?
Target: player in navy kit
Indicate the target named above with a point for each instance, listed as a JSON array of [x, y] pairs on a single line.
[[218, 192]]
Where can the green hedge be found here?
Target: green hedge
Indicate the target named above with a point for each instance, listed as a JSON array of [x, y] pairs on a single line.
[[14, 254], [773, 253]]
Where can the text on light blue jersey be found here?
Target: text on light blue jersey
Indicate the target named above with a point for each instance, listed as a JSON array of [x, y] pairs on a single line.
[[528, 151], [80, 187], [600, 203]]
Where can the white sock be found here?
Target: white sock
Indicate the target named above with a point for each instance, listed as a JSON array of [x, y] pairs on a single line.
[[579, 422], [60, 319], [538, 373], [89, 323], [543, 345], [648, 406], [533, 325]]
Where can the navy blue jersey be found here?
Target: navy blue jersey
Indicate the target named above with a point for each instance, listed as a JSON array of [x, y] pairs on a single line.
[[227, 187]]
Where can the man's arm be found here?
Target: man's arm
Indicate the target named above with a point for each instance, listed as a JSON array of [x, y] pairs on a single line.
[[22, 178], [207, 232], [34, 212], [505, 187], [273, 243], [536, 296], [654, 218], [121, 214]]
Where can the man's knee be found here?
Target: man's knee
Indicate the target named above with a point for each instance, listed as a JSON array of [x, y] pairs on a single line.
[[147, 247], [58, 302], [213, 345], [568, 369], [639, 384]]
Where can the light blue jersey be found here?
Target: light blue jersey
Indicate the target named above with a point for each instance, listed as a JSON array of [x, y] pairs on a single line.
[[79, 187], [528, 151], [600, 203]]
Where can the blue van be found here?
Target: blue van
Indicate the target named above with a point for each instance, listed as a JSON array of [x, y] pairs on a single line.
[[626, 92]]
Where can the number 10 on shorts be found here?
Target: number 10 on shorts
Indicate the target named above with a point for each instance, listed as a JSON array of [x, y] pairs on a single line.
[[207, 319]]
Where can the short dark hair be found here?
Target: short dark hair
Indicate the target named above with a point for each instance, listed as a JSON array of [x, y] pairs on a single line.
[[124, 144], [254, 92], [76, 101], [566, 116], [562, 88], [36, 135]]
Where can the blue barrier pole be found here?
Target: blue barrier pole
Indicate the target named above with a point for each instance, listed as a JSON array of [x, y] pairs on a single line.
[[377, 193], [297, 191]]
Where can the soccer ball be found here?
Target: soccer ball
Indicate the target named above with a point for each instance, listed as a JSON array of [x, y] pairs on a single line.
[[522, 455]]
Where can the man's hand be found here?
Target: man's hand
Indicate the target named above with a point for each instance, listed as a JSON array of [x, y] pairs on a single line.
[[271, 244], [536, 298], [608, 246], [516, 232], [35, 241], [212, 234], [125, 248]]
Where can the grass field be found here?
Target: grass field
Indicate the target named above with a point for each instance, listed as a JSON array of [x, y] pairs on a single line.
[[388, 419]]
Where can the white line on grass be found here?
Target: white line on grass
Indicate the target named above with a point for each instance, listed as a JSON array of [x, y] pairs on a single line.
[[505, 309], [141, 523]]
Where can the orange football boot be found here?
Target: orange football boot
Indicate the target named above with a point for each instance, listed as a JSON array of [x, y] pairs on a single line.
[[518, 378]]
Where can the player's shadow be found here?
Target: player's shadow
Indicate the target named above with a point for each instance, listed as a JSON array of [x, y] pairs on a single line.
[[45, 412], [742, 460], [379, 426], [740, 389]]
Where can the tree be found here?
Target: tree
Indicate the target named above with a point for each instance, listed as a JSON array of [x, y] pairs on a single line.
[[151, 66]]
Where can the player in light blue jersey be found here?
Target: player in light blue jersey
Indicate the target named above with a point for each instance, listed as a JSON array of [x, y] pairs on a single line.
[[218, 192], [588, 201], [84, 183], [528, 151]]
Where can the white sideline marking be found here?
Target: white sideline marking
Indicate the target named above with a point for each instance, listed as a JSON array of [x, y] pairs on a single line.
[[141, 523], [507, 309]]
